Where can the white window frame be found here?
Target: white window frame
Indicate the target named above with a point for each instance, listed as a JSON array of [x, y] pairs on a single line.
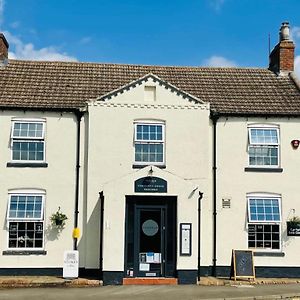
[[251, 143], [269, 196], [28, 139], [141, 141], [26, 192]]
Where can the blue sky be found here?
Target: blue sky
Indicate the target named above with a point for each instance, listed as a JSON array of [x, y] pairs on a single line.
[[165, 32]]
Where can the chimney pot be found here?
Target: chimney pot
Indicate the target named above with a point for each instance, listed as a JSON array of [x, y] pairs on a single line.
[[284, 33]]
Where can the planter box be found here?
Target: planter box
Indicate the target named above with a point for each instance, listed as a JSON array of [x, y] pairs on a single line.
[[293, 229]]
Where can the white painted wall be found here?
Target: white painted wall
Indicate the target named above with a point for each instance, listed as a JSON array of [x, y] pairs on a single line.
[[235, 183], [58, 180], [110, 168]]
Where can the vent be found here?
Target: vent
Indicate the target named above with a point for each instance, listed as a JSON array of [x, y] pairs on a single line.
[[150, 93], [226, 202]]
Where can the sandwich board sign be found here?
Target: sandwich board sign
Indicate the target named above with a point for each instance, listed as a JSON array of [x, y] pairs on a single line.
[[242, 264], [71, 264]]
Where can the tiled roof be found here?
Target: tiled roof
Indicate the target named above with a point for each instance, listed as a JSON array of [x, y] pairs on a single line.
[[68, 85]]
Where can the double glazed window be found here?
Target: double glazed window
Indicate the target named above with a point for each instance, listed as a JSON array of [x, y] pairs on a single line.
[[149, 143], [28, 141], [263, 146], [25, 218], [264, 218]]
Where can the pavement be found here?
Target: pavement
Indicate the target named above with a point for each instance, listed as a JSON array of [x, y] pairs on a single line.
[[207, 288]]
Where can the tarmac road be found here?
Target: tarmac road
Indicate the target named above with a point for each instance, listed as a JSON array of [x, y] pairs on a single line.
[[179, 292]]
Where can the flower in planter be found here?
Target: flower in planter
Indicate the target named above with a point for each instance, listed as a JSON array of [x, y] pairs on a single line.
[[58, 219], [294, 220]]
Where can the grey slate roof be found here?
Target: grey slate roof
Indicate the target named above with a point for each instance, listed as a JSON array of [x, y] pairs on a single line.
[[68, 85]]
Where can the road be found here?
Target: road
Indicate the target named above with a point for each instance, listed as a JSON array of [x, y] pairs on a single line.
[[179, 292]]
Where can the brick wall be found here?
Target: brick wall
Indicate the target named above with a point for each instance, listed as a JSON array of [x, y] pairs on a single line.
[[282, 57], [3, 47]]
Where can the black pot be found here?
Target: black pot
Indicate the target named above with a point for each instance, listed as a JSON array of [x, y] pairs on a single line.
[[58, 222]]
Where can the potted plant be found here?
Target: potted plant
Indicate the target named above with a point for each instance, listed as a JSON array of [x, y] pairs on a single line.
[[58, 219], [293, 226]]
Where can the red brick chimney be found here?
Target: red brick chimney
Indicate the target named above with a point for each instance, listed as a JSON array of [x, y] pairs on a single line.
[[3, 50], [282, 56]]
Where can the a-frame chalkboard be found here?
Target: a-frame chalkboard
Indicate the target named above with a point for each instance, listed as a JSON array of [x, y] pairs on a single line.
[[242, 265]]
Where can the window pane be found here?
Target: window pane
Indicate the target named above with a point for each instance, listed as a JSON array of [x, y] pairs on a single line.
[[259, 236], [25, 235], [263, 155], [149, 144], [264, 210], [25, 207], [28, 151]]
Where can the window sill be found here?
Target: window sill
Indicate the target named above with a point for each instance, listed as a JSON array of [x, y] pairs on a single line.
[[136, 166], [270, 254], [26, 165], [264, 170], [24, 252]]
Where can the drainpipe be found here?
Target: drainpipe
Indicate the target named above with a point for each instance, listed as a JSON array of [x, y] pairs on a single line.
[[214, 117], [199, 233], [79, 115], [101, 234]]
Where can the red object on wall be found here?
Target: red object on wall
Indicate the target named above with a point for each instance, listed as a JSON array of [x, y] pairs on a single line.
[[295, 143]]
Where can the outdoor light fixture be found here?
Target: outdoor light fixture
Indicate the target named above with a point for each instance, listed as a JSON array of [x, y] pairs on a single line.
[[150, 172], [295, 143]]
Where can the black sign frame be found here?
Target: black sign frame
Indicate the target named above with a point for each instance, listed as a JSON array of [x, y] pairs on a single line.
[[242, 265], [150, 184], [293, 229]]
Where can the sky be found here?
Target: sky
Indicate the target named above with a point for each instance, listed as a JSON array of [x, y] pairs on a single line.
[[217, 33]]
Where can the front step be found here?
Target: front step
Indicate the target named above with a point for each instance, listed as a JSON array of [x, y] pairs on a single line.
[[149, 281]]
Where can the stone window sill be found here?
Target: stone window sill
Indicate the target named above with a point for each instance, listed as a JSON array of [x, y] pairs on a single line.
[[24, 252], [264, 170], [270, 254], [26, 165], [136, 166]]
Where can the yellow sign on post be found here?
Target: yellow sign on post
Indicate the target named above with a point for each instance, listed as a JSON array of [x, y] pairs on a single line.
[[76, 233]]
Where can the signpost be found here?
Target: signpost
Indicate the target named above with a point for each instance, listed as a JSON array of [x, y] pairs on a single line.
[[242, 264]]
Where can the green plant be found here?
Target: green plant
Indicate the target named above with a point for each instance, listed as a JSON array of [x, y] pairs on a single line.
[[294, 220], [58, 219]]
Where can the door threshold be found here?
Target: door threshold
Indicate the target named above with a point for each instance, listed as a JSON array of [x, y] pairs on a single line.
[[150, 281]]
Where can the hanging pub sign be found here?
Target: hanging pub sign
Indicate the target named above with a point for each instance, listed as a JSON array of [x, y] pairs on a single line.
[[150, 184], [293, 229]]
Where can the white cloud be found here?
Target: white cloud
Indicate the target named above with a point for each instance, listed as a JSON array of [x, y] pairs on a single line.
[[1, 11], [216, 4], [295, 33], [85, 40], [15, 24], [28, 51], [297, 66], [219, 61]]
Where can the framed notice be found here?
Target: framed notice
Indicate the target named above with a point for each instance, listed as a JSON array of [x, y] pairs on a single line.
[[185, 239]]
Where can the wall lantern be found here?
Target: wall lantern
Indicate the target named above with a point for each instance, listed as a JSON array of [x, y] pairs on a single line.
[[295, 143]]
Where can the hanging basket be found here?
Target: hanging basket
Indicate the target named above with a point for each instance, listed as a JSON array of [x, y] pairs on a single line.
[[58, 219]]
